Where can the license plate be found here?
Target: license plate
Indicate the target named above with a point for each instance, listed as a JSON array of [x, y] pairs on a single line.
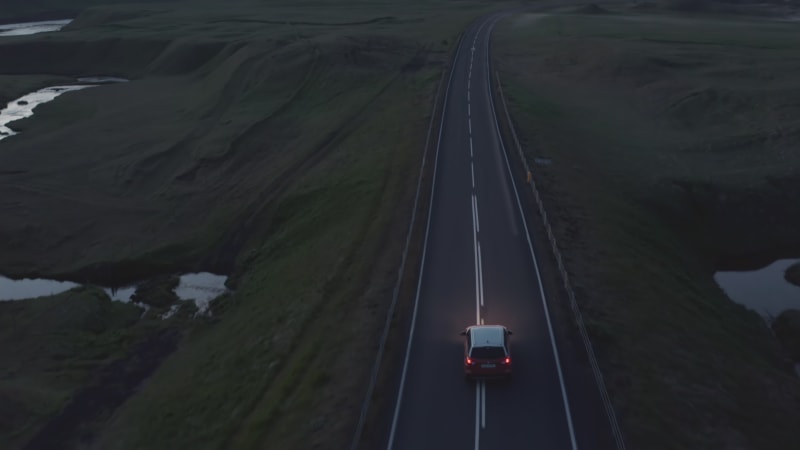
[[488, 366]]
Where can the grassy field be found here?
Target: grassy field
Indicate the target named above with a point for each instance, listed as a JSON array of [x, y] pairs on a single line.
[[49, 347], [14, 11], [672, 148], [278, 143]]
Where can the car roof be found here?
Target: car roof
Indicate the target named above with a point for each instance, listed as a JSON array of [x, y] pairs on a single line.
[[487, 335]]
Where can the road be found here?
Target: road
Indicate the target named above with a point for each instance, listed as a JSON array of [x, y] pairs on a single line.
[[479, 267]]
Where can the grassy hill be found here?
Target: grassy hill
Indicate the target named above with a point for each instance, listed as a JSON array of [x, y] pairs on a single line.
[[672, 149], [34, 10], [275, 142]]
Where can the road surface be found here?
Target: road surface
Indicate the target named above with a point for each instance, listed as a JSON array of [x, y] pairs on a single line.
[[480, 267]]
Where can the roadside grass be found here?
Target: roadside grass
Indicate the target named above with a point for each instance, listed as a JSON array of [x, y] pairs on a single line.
[[284, 155], [670, 146]]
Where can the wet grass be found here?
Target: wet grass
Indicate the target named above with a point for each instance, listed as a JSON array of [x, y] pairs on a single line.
[[671, 145], [285, 154]]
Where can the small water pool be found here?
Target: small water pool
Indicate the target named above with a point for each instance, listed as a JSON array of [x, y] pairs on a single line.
[[765, 290], [22, 29], [201, 288], [23, 106]]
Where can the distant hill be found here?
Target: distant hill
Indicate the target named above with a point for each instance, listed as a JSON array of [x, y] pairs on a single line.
[[34, 10]]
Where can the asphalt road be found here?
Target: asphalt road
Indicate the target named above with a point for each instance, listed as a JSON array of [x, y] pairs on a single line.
[[479, 267]]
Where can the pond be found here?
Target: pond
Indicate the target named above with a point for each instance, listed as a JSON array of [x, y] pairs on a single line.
[[765, 290], [23, 107], [201, 288], [22, 29]]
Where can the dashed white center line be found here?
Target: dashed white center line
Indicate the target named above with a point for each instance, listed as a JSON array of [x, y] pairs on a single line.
[[483, 405], [477, 217], [480, 262], [472, 171], [477, 286], [474, 217], [477, 411], [480, 388]]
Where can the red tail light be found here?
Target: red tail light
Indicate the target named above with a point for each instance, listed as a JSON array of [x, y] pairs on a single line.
[[508, 360], [469, 361]]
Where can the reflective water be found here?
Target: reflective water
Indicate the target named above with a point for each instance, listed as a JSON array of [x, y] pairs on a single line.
[[102, 80], [201, 288], [23, 106], [764, 290], [31, 288], [171, 312], [21, 29]]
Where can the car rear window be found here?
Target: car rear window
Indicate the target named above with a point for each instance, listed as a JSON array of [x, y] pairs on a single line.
[[488, 352]]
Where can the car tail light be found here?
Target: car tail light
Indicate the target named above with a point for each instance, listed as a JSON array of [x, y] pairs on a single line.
[[508, 360], [469, 361]]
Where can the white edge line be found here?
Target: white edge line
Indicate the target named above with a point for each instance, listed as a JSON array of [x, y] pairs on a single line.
[[470, 148], [473, 216], [477, 216], [470, 127], [535, 264], [424, 251]]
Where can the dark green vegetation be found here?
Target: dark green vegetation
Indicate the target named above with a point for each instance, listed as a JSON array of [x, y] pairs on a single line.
[[52, 346], [159, 291], [34, 10], [13, 86], [787, 329], [792, 274], [279, 144], [673, 148]]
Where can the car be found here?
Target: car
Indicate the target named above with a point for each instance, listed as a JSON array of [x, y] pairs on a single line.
[[486, 351]]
